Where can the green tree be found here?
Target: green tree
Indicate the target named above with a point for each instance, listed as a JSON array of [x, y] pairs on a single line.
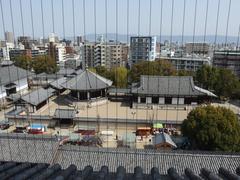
[[44, 64], [185, 73], [227, 83], [206, 76], [223, 82], [212, 128], [120, 75], [92, 69], [159, 67], [103, 71], [23, 61]]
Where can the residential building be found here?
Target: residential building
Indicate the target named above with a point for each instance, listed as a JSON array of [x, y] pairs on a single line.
[[88, 55], [142, 48], [109, 54], [9, 38], [228, 59], [189, 63], [71, 61], [26, 41], [20, 52], [79, 40], [5, 50], [53, 38], [197, 48], [57, 52]]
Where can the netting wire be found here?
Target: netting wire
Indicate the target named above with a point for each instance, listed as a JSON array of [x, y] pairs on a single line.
[[8, 141]]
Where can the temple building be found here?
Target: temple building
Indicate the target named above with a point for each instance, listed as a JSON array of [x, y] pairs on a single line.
[[162, 90], [87, 85]]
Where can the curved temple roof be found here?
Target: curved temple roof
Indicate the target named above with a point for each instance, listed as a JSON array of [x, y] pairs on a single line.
[[169, 85], [87, 80]]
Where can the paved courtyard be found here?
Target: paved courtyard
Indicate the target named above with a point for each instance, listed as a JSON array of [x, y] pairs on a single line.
[[122, 110]]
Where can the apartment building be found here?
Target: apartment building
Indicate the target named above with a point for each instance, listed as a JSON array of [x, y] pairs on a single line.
[[228, 59], [142, 48], [109, 54]]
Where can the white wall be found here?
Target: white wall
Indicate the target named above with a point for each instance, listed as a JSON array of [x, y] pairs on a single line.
[[21, 86]]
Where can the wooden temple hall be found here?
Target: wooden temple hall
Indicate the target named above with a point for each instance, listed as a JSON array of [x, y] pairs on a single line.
[[87, 86], [174, 90]]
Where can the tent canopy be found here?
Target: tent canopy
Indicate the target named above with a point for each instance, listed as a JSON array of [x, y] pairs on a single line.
[[157, 125]]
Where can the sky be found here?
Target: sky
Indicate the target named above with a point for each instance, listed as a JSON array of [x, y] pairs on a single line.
[[113, 19]]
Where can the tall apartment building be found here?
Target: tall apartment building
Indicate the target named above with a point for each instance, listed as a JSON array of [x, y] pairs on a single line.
[[57, 52], [9, 38], [88, 55], [142, 48], [197, 48], [228, 59], [105, 54], [5, 50]]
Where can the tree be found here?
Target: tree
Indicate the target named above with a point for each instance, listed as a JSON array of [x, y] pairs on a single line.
[[185, 73], [44, 64], [159, 67], [23, 61], [120, 75], [227, 83], [103, 71], [92, 69], [206, 76], [212, 128], [223, 81]]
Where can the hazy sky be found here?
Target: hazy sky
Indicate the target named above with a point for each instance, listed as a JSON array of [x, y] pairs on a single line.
[[234, 19]]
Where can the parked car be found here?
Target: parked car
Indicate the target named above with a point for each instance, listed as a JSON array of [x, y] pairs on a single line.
[[5, 125], [20, 129]]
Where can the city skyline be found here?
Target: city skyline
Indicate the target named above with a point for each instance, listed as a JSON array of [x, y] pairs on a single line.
[[62, 23]]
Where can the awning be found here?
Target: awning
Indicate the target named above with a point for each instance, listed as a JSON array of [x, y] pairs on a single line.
[[144, 128], [157, 125]]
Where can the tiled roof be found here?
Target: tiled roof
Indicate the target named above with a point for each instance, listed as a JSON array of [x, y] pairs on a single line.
[[42, 171], [64, 113], [12, 73], [87, 80], [38, 96], [163, 138], [57, 84], [168, 85], [44, 149]]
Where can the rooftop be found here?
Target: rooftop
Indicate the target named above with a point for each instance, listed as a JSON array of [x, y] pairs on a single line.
[[44, 149], [163, 138], [168, 85], [26, 170], [57, 84], [64, 114], [10, 73], [87, 80], [38, 96]]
